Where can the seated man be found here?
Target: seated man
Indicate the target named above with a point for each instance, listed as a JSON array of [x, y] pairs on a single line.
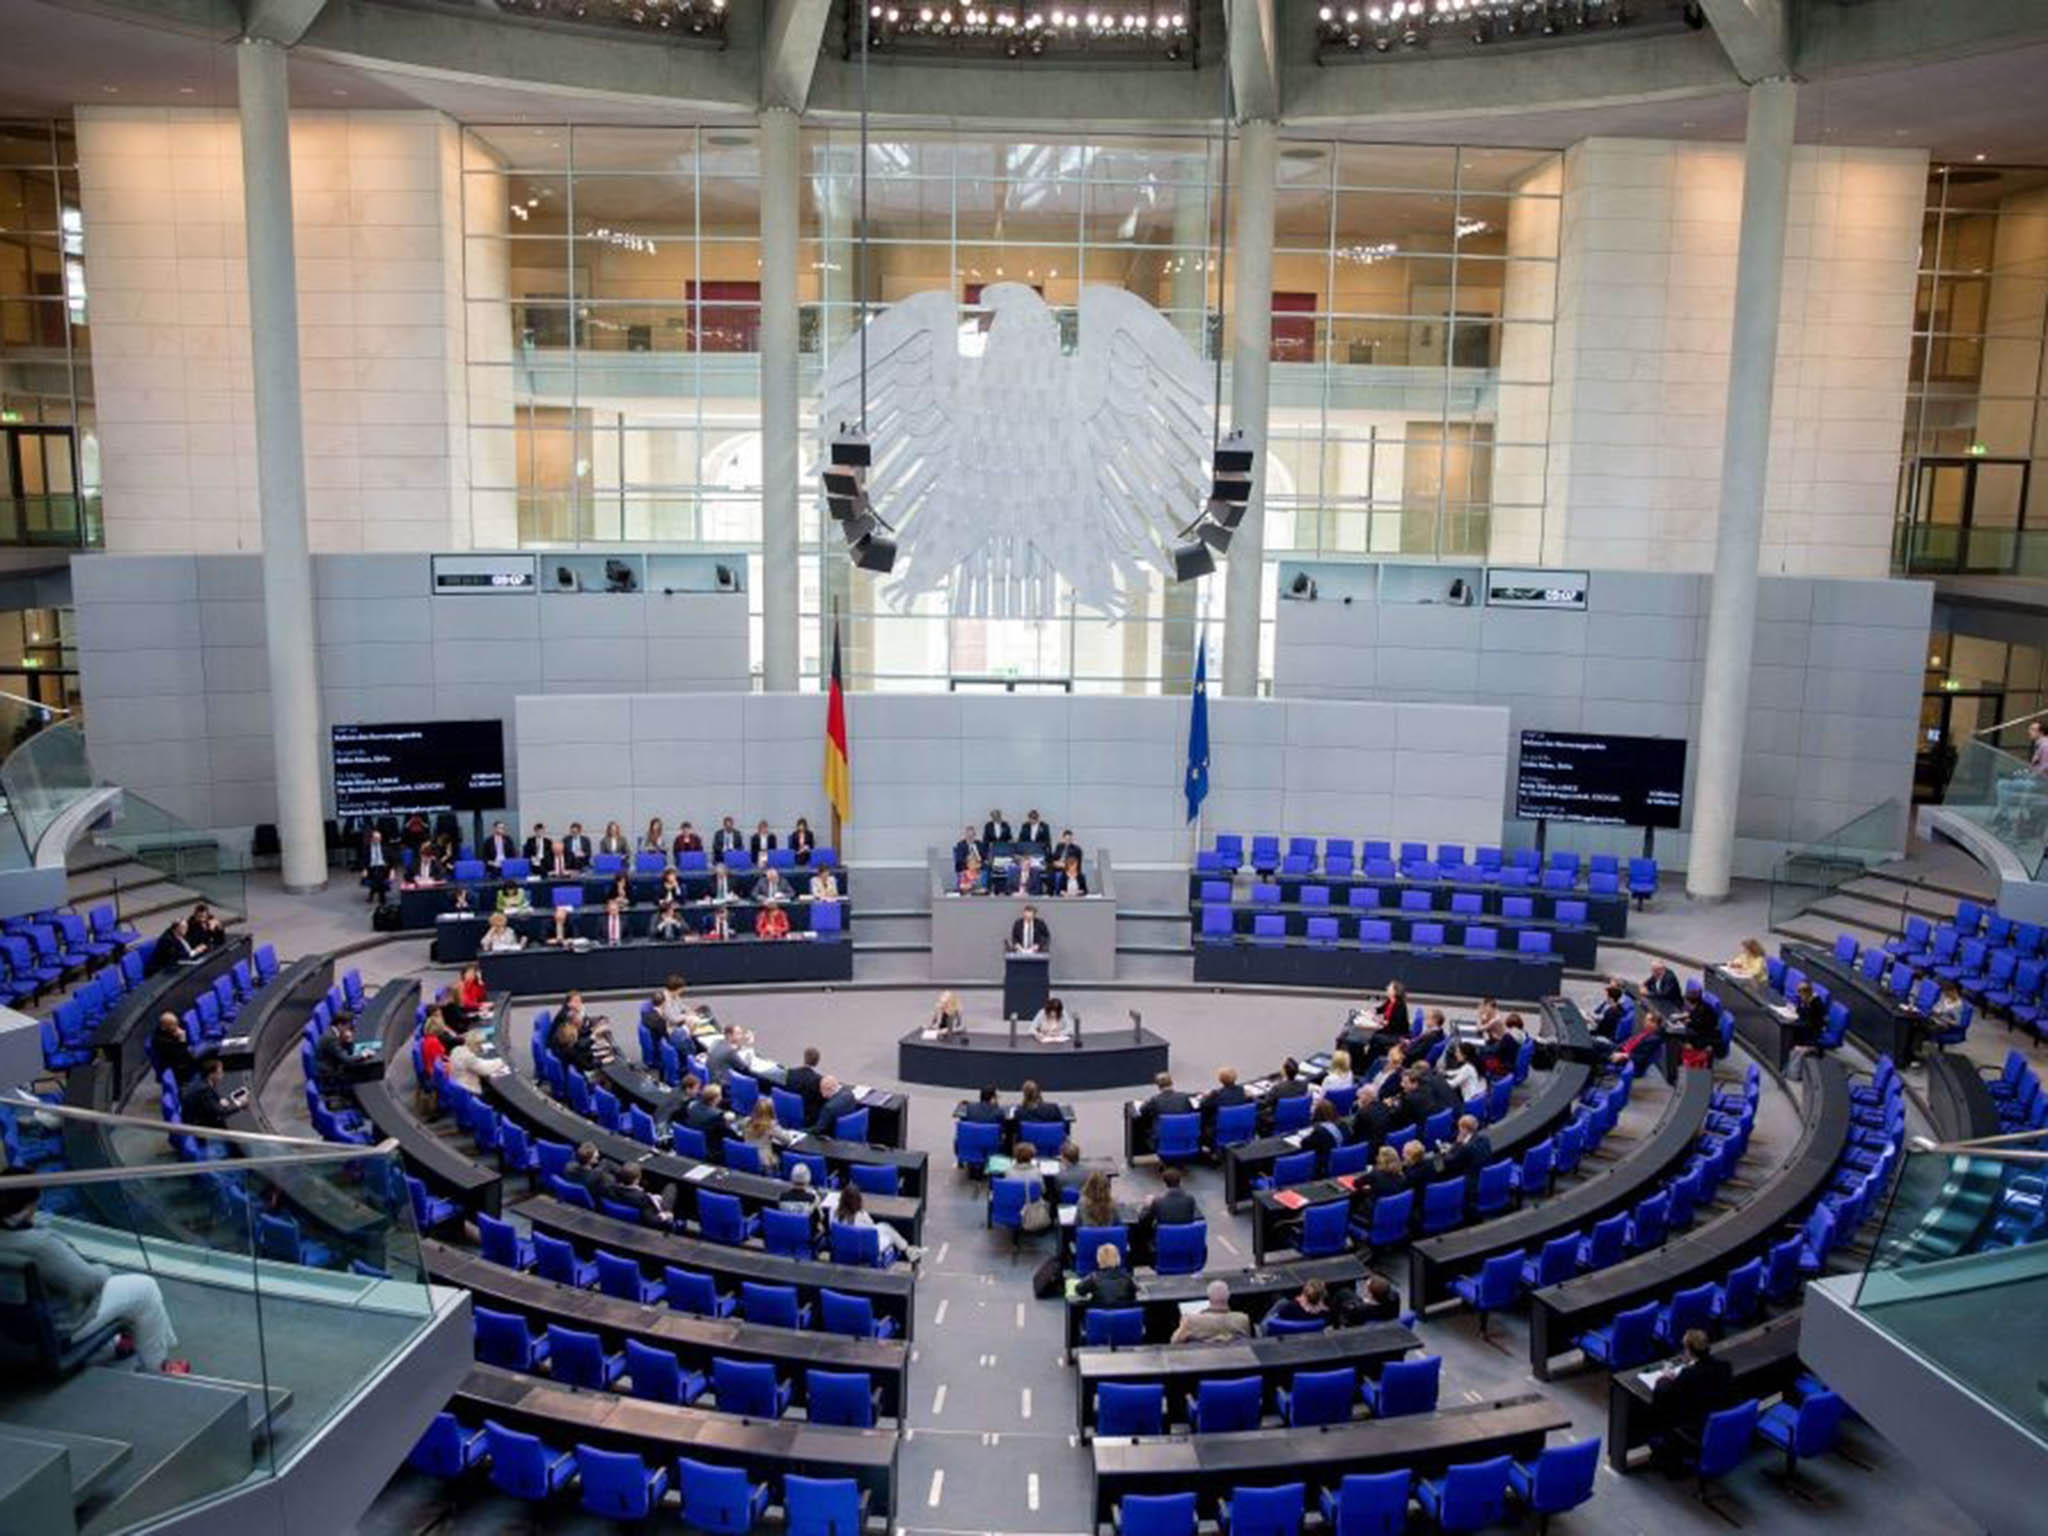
[[627, 1190], [1310, 1304], [1214, 1324], [835, 1102], [1287, 1086], [1111, 1285], [331, 1058], [987, 1109], [1166, 1100], [587, 1171], [1699, 1385], [1172, 1206], [83, 1296], [1378, 1302], [205, 1100]]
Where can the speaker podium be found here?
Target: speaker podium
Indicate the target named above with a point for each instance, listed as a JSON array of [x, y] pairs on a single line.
[[1027, 982]]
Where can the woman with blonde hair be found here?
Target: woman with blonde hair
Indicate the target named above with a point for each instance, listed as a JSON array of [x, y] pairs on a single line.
[[1750, 962], [946, 1016], [759, 1132]]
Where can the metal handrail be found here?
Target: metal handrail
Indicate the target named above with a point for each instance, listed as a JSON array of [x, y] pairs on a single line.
[[1993, 730], [23, 1100], [55, 711], [143, 1172]]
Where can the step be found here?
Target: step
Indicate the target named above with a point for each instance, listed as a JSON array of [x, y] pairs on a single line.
[[1866, 931], [1929, 883], [1182, 948], [1153, 967], [901, 928], [47, 1474], [1151, 931], [188, 1438], [1915, 900]]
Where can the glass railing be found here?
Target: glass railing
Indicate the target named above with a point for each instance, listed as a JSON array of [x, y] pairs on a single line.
[[46, 768], [1995, 791], [1808, 874], [1958, 1272], [50, 522], [285, 1273], [1934, 549], [181, 853]]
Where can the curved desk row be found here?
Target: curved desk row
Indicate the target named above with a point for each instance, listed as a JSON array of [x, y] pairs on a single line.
[[681, 1177], [1358, 968], [1253, 1291], [565, 1416], [1961, 1108], [1878, 1019], [1764, 1361], [1558, 1314], [1179, 1368], [445, 1167], [1435, 1261], [1608, 913], [1578, 943], [1113, 1056], [635, 1085], [642, 966], [420, 905], [695, 1340], [459, 938], [889, 1291], [124, 1033], [1212, 1466]]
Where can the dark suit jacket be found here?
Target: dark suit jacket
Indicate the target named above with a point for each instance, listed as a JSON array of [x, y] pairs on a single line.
[[1174, 1208], [996, 832], [330, 1061], [650, 1213], [833, 1110], [1063, 882], [577, 851], [593, 1178], [1223, 1098], [760, 843], [722, 840], [800, 843], [805, 1081], [1697, 1390], [1664, 989], [1044, 1109], [699, 1116], [496, 850], [538, 850], [960, 851], [983, 1114], [1041, 934], [1108, 1288], [1169, 1101], [199, 1104], [1035, 832], [1061, 852]]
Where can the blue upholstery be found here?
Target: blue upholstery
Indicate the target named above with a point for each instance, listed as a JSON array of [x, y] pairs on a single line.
[[822, 1506], [1274, 1511], [688, 1291], [1560, 1478], [719, 1500], [1468, 1497], [853, 1316], [659, 1377], [580, 1359], [1497, 1285], [1113, 1326], [750, 1387], [617, 1485], [1156, 1514], [1318, 1397], [446, 1449], [844, 1398], [1630, 1339], [1367, 1504], [1404, 1387], [1181, 1249], [523, 1466], [776, 1306], [1225, 1404], [1130, 1408]]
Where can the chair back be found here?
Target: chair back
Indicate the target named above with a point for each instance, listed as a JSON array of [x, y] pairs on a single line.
[[576, 1357], [1559, 1260], [745, 1386], [501, 1339], [656, 1375], [773, 1305], [689, 1291], [1475, 1494], [1181, 1249], [822, 1506], [1564, 1476], [519, 1462], [1325, 1229], [1176, 1137], [1818, 1423], [845, 1398], [1157, 1514], [1113, 1326], [1390, 1216], [787, 1233], [842, 1313], [1321, 1397], [1227, 1404], [1409, 1386], [1725, 1438], [849, 1244], [1372, 1504], [1272, 1511], [1130, 1408]]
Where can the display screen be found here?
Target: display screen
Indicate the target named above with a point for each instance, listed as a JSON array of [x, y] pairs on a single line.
[[1622, 781], [432, 765]]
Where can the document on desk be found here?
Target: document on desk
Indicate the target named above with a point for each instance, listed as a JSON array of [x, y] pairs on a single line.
[[699, 1173]]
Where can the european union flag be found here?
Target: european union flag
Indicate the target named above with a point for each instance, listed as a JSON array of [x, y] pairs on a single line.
[[1198, 732]]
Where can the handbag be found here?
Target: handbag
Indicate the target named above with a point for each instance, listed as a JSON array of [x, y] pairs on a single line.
[[1035, 1216]]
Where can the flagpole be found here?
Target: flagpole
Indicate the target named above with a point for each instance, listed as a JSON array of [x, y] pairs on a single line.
[[838, 828]]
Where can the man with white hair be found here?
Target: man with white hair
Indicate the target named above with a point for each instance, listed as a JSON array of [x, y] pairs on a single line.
[[1215, 1323]]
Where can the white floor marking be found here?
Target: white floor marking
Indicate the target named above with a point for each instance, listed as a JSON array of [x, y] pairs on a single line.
[[939, 1400], [1031, 1491], [938, 1488], [939, 1317], [944, 1249], [1020, 1314], [1226, 1244], [1026, 1413]]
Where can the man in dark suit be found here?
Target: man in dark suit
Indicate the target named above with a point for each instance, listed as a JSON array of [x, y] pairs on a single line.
[[539, 848], [1066, 848], [1166, 1100], [1661, 986], [805, 1081], [331, 1058], [725, 838], [996, 830], [838, 1101], [1699, 1386], [587, 1171], [1172, 1206], [968, 843], [498, 847], [576, 848], [627, 1190], [1607, 1017], [1228, 1091], [1029, 932], [204, 1101], [705, 1114], [1287, 1086], [762, 843], [1035, 831], [378, 863], [985, 1110], [1464, 1157]]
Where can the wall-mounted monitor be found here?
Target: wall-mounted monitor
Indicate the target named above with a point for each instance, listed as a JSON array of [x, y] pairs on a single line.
[[425, 766], [485, 575], [1619, 781], [1512, 587]]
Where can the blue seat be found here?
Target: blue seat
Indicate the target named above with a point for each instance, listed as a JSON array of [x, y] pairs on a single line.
[[1007, 1198], [1468, 1497], [719, 1499], [1177, 1138], [788, 1233], [723, 1219], [523, 1465], [580, 1359], [1494, 1190], [1630, 1339], [1558, 1262], [750, 1387], [1289, 1169], [861, 1246], [658, 1376], [1278, 1327], [1560, 1478], [446, 1449], [1688, 1309], [1443, 1205], [277, 1237], [845, 1398], [1088, 1239], [1181, 1249], [1222, 1405], [1235, 1123], [618, 1485], [1739, 1297], [1113, 1326], [853, 1316], [1808, 1428], [1606, 1245], [1367, 1504], [620, 1277], [1724, 1441], [1130, 1408], [1404, 1387], [1156, 1514], [1274, 1511], [774, 1306], [1325, 1229], [557, 1261], [976, 1141], [823, 1506], [1497, 1286], [697, 1294], [1318, 1397], [1388, 1225]]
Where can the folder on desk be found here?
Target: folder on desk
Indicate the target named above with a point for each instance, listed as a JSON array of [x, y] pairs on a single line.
[[1290, 1199]]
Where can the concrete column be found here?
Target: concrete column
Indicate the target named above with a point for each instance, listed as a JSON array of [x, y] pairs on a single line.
[[1745, 457], [288, 611], [1251, 275], [780, 446], [1188, 285]]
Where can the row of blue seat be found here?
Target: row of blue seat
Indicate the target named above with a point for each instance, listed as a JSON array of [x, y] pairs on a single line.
[[1218, 926], [1999, 968], [1235, 1404], [618, 1485], [46, 949], [1341, 856], [683, 1290]]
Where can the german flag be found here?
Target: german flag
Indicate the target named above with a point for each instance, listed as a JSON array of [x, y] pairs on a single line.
[[838, 765]]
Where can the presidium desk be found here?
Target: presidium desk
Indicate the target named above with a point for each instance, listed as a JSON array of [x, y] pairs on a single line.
[[970, 933], [642, 965]]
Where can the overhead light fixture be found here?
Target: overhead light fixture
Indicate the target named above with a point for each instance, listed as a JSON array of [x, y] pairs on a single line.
[[1414, 25], [869, 541], [1162, 30], [1230, 496]]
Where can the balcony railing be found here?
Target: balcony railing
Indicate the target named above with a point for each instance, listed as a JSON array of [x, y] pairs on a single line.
[[1938, 549]]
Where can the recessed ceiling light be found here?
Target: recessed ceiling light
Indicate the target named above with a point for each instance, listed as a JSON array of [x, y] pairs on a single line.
[[339, 91], [1980, 159], [184, 90], [111, 90]]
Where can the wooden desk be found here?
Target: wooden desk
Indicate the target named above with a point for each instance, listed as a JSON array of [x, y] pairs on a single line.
[[1179, 1367], [889, 1290], [694, 1339], [661, 1433], [1435, 1261]]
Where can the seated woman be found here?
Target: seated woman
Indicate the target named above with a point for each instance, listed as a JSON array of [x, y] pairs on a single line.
[[852, 1211], [614, 840], [469, 1063], [1051, 1023], [668, 925], [471, 992], [771, 922], [1750, 962], [824, 886], [1463, 1072], [801, 841], [512, 898], [428, 868], [972, 877], [671, 886], [1339, 1075], [656, 840], [499, 936], [1070, 881], [717, 924], [946, 1016]]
